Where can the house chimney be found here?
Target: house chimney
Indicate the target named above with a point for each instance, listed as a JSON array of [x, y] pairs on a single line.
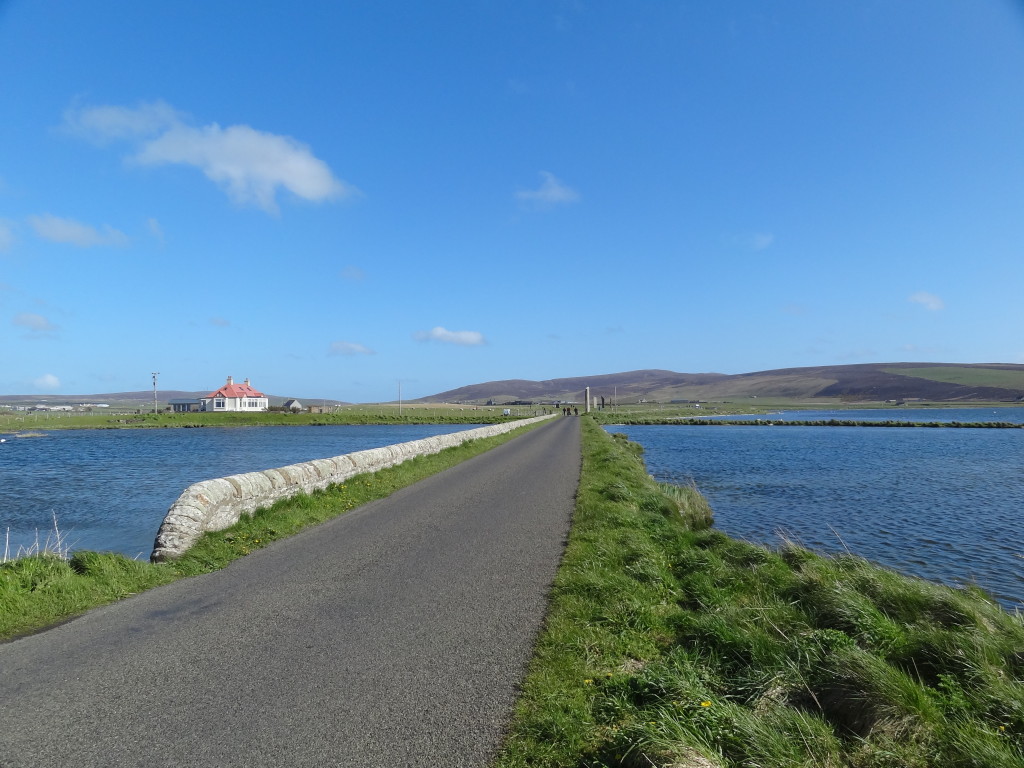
[[247, 382], [231, 380]]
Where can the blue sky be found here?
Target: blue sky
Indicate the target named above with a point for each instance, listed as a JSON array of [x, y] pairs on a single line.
[[332, 197]]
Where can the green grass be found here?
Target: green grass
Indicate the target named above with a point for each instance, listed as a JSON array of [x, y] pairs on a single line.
[[48, 586], [17, 421], [768, 421], [670, 644]]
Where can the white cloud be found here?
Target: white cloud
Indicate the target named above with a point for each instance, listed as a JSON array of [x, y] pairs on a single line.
[[37, 324], [109, 123], [6, 234], [61, 230], [761, 240], [928, 300], [250, 165], [47, 382], [462, 338], [551, 192], [348, 348]]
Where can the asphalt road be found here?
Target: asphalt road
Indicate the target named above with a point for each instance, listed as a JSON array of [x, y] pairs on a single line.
[[395, 635]]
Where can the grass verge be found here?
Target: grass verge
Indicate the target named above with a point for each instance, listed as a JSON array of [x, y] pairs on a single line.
[[670, 644], [48, 586]]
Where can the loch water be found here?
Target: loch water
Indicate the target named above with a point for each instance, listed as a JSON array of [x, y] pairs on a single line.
[[921, 415], [946, 504], [110, 488]]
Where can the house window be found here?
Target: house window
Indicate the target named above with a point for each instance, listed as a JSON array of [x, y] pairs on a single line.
[[218, 403]]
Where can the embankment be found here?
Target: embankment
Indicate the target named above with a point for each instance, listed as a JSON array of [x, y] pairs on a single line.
[[213, 505], [668, 643]]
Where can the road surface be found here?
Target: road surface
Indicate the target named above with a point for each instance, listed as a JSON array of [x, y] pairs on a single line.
[[395, 635]]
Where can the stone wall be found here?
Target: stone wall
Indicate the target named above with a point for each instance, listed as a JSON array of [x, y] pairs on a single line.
[[212, 505]]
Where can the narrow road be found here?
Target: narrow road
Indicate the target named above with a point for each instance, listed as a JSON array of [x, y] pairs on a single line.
[[395, 635]]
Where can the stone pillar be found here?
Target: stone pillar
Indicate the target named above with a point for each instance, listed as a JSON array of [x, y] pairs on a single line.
[[588, 400]]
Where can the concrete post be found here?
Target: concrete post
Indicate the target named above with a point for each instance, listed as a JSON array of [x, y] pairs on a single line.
[[588, 400]]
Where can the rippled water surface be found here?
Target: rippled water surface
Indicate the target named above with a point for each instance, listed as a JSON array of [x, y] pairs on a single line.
[[110, 489], [945, 504]]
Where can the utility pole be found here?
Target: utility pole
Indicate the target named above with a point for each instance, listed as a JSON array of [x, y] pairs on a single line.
[[399, 398], [155, 374]]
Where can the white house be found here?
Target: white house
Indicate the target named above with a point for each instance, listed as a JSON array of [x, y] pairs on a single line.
[[234, 397]]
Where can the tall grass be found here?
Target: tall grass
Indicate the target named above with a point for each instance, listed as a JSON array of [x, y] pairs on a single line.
[[669, 643], [55, 544]]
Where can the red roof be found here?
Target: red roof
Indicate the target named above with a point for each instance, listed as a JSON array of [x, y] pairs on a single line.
[[236, 390]]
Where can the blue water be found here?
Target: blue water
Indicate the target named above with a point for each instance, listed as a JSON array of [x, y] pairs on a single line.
[[1010, 415], [110, 489], [945, 504]]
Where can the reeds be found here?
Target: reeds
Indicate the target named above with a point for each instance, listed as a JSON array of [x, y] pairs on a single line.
[[55, 544]]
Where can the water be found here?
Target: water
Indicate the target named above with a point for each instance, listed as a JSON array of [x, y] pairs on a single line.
[[110, 489], [1010, 415], [944, 504]]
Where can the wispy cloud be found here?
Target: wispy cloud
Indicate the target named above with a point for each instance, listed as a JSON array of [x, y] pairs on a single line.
[[552, 191], [927, 300], [517, 86], [47, 382], [750, 241], [352, 274], [348, 348], [155, 229], [104, 124], [220, 322], [443, 335], [251, 166], [36, 325], [61, 230], [931, 350], [6, 234], [861, 353]]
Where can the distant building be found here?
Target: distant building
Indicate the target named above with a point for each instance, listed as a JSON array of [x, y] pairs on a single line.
[[184, 406], [292, 405], [234, 397]]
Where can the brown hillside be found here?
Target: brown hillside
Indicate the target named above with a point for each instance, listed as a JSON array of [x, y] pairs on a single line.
[[871, 381]]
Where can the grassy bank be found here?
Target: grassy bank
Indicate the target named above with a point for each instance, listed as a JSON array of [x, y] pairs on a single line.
[[769, 422], [14, 422], [670, 644], [769, 408], [51, 586]]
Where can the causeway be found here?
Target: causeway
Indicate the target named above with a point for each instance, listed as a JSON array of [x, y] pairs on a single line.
[[394, 635]]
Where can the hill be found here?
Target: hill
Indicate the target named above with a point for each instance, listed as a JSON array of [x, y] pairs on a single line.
[[952, 382]]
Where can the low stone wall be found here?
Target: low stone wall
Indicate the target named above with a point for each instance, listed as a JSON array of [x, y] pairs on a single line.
[[212, 505]]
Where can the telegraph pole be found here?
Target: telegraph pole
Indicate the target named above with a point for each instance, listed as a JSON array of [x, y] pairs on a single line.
[[155, 374]]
